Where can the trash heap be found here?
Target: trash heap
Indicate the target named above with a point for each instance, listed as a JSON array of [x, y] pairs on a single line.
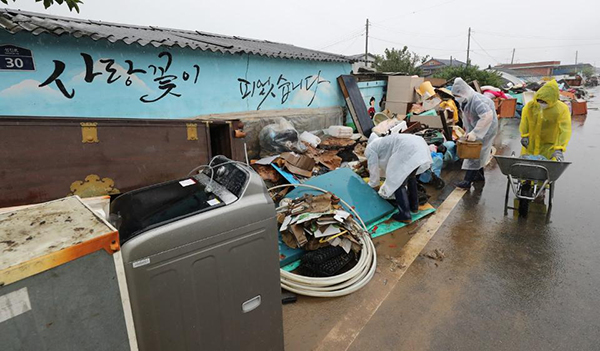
[[321, 226], [291, 157]]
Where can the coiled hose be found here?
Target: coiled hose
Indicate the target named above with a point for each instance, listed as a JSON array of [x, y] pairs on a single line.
[[339, 285]]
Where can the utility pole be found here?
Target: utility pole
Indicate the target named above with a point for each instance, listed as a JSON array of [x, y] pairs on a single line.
[[450, 60], [367, 44], [512, 60], [469, 47], [576, 56]]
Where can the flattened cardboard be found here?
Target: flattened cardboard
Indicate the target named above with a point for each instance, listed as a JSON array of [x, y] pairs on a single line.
[[298, 164], [400, 108], [402, 88]]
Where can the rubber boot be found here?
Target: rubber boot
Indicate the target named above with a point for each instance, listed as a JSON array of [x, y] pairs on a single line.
[[413, 194], [479, 176], [468, 181], [402, 203]]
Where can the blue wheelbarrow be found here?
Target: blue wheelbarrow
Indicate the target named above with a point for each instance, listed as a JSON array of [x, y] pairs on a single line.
[[528, 180]]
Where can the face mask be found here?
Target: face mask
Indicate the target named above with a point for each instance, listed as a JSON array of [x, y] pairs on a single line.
[[543, 105]]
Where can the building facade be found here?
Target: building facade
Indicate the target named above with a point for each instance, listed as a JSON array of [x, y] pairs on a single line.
[[56, 66]]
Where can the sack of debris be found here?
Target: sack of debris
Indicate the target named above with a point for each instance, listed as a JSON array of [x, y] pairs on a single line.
[[279, 137]]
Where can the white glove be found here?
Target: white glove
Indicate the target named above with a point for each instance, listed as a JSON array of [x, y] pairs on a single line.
[[471, 137]]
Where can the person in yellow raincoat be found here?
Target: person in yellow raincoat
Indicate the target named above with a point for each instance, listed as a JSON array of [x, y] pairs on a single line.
[[546, 124]]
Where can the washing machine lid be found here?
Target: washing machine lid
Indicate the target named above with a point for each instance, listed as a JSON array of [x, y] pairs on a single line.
[[140, 210]]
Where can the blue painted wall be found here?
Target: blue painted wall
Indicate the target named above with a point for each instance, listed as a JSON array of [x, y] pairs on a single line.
[[194, 83], [374, 89]]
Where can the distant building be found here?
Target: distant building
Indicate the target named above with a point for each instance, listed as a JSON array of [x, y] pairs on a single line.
[[430, 67], [358, 61], [571, 69], [527, 77], [544, 69]]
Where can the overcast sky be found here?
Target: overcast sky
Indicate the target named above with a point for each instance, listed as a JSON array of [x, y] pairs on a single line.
[[539, 30]]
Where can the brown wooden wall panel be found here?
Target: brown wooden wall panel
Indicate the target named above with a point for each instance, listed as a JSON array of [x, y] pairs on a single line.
[[44, 158]]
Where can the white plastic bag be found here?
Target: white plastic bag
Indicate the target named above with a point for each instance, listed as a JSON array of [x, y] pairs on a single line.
[[310, 138]]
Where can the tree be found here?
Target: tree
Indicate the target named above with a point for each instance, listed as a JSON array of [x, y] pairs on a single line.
[[588, 72], [72, 4], [402, 61], [469, 74]]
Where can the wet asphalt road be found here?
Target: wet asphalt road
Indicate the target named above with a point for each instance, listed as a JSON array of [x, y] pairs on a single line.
[[506, 283]]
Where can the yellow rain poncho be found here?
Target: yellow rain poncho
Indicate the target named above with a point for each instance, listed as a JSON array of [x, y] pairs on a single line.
[[548, 129]]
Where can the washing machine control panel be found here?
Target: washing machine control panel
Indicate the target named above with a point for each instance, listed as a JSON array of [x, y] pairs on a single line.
[[227, 179]]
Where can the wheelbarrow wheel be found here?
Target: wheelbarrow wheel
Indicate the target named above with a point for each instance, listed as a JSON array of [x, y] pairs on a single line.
[[526, 190]]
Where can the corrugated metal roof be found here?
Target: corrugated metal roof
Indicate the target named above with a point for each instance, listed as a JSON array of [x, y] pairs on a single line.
[[15, 21]]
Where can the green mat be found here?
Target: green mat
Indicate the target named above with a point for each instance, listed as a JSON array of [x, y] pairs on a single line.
[[387, 225]]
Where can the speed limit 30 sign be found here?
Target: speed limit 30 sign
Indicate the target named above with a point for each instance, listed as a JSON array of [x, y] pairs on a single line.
[[14, 58]]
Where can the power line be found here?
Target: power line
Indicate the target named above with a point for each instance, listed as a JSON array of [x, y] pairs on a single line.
[[546, 47], [414, 46], [347, 37], [508, 35], [352, 43], [396, 31], [481, 47]]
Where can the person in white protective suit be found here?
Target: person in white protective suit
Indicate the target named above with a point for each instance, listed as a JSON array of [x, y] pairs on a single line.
[[481, 123], [402, 157]]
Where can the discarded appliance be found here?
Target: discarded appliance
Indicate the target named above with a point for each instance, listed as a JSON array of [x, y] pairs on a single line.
[[59, 281], [201, 261]]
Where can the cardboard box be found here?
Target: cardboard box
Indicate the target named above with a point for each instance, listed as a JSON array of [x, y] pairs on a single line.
[[402, 88], [298, 164], [400, 108], [579, 107], [506, 108]]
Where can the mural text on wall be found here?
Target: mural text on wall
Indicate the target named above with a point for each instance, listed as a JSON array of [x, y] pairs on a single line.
[[266, 87], [165, 80]]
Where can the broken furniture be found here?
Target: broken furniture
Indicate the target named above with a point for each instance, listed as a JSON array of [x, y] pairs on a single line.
[[356, 104], [200, 257], [505, 108], [50, 158], [59, 280], [579, 107]]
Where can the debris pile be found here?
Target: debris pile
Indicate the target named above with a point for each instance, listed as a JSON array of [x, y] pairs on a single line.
[[293, 159], [319, 223]]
